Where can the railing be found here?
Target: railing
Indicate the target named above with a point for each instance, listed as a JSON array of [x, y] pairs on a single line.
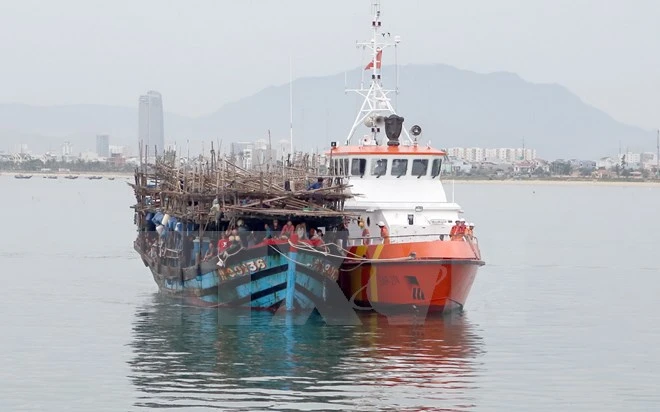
[[377, 240]]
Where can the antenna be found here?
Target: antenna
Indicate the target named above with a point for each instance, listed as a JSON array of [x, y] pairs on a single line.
[[291, 101], [376, 104], [270, 151]]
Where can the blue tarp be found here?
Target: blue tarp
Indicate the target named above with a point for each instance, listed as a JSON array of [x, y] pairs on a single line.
[[158, 218], [171, 225]]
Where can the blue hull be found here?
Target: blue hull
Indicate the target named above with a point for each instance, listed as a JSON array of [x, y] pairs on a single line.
[[264, 277]]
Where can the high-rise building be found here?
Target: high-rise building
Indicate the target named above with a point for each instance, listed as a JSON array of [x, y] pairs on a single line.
[[151, 132], [102, 145], [67, 149]]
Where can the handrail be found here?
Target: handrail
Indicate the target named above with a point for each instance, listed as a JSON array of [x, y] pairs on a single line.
[[355, 241]]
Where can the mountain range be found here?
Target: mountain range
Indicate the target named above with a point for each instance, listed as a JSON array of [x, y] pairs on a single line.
[[454, 107]]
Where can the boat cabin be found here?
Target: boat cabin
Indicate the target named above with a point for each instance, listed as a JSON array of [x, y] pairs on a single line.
[[398, 185]]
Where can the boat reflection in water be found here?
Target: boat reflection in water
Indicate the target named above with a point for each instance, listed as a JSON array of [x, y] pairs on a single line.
[[183, 358]]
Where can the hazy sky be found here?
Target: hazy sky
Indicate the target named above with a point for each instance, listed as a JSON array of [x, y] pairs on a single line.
[[202, 53]]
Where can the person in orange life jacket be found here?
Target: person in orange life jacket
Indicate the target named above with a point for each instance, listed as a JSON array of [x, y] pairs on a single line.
[[461, 229], [469, 230], [453, 230], [384, 233], [458, 230], [365, 233]]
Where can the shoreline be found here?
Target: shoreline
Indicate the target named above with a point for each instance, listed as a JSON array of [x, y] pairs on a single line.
[[116, 175], [446, 180]]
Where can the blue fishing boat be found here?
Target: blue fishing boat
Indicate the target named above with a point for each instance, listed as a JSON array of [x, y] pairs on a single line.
[[264, 276], [213, 236]]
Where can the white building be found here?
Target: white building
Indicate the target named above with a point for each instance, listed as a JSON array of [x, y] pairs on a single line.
[[606, 163], [632, 157], [503, 154]]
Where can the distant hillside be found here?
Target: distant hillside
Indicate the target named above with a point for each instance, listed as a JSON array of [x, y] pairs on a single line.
[[454, 107]]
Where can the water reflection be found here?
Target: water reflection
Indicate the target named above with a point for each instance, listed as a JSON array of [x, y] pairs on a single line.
[[182, 358]]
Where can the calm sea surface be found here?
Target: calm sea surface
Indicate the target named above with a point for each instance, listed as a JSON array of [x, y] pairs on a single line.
[[564, 316]]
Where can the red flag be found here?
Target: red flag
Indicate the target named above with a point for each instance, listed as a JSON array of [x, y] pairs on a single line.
[[379, 60]]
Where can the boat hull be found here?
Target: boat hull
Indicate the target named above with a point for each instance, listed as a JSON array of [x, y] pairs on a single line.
[[262, 277], [418, 276]]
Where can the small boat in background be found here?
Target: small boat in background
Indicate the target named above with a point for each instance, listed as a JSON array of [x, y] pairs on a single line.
[[21, 176], [51, 177], [71, 177], [95, 177], [111, 178]]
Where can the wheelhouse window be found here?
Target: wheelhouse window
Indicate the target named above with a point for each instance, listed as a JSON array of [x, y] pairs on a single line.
[[358, 166], [378, 167], [420, 167], [436, 168], [345, 171], [399, 167]]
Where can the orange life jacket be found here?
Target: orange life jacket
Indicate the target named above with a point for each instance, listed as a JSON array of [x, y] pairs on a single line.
[[385, 234]]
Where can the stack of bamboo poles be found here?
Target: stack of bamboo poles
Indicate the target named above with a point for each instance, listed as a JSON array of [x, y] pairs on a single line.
[[203, 191]]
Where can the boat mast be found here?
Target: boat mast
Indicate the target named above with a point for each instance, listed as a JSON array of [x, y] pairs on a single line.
[[291, 104], [376, 105]]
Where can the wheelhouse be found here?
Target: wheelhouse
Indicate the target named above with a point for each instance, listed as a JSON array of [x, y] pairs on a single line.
[[386, 162]]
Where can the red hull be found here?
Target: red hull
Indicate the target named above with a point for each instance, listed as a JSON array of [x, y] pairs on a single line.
[[426, 276]]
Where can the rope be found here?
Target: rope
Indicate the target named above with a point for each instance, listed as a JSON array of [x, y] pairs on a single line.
[[362, 258]]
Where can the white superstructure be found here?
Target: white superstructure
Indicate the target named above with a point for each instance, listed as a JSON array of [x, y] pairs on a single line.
[[394, 182]]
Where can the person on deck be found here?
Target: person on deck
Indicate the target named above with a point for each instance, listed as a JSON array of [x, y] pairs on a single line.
[[314, 238], [268, 233], [287, 230], [299, 235], [223, 244], [343, 235], [454, 229], [276, 226], [243, 233], [210, 252], [234, 242], [458, 230], [384, 233], [366, 236], [317, 185], [469, 231]]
